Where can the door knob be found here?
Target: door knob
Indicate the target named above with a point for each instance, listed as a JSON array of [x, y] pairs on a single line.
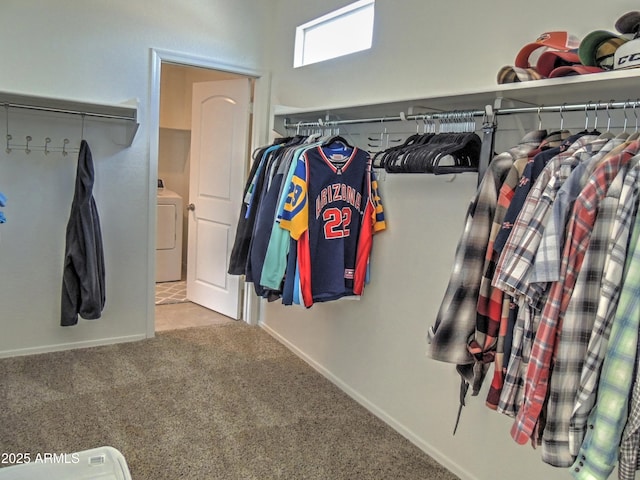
[[191, 207]]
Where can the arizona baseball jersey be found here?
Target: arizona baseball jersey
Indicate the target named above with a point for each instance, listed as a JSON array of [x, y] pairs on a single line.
[[332, 210]]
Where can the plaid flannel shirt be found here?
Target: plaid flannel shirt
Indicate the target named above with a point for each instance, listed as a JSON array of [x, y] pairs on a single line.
[[456, 319], [512, 394], [534, 167], [585, 397], [577, 325], [513, 267], [629, 459], [488, 342], [546, 267], [564, 195], [490, 299], [598, 454], [578, 234]]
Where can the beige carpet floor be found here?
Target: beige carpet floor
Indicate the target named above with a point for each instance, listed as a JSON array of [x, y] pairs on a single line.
[[221, 402]]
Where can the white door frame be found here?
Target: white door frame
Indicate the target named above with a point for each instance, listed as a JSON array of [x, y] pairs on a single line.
[[262, 119]]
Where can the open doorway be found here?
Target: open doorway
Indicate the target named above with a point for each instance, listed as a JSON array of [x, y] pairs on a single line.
[[175, 307]]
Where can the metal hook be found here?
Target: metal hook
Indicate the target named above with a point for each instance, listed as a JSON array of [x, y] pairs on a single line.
[[28, 138], [47, 141], [586, 114], [6, 108], [562, 107], [609, 115], [624, 112], [65, 142], [539, 117], [595, 115]]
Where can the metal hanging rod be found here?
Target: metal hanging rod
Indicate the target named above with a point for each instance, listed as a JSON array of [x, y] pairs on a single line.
[[68, 111], [595, 106]]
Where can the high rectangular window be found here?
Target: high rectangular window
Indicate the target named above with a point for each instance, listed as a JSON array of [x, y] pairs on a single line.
[[343, 31]]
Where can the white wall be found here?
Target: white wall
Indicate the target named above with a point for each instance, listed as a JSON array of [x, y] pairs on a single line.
[[423, 49], [97, 52], [375, 348]]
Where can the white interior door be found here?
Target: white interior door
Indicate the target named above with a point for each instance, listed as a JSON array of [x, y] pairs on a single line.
[[219, 142]]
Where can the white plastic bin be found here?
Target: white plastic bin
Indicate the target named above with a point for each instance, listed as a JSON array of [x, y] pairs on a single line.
[[104, 463]]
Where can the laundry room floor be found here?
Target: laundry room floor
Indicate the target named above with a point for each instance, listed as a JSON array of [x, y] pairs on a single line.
[[171, 292], [174, 311]]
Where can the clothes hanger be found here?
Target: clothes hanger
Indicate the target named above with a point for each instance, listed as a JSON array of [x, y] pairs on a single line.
[[454, 144], [624, 135], [636, 134], [405, 159], [586, 130], [607, 134], [390, 156], [456, 141]]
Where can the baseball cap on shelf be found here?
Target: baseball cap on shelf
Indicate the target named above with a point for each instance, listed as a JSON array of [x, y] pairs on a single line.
[[509, 74], [562, 41], [627, 55], [552, 59], [598, 48], [629, 24], [571, 70]]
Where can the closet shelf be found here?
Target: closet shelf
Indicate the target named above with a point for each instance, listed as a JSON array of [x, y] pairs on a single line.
[[128, 114], [616, 85]]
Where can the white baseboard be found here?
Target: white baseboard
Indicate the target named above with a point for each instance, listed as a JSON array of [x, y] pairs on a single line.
[[402, 429], [69, 346]]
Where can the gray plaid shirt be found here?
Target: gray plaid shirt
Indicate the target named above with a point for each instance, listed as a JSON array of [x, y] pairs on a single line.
[[514, 267], [456, 320], [578, 322]]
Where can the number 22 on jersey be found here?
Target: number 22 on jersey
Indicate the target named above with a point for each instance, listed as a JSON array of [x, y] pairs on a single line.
[[337, 222]]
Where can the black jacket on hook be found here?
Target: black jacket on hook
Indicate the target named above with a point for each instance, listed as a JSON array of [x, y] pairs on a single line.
[[83, 283]]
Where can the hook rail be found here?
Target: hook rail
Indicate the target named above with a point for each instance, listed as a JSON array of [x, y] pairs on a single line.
[[127, 114]]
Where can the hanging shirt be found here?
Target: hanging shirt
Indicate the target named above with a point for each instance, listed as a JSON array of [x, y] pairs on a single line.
[[456, 319], [529, 176], [484, 345], [577, 325], [514, 266], [275, 262], [263, 227], [83, 281], [546, 266], [332, 212], [585, 397], [578, 234], [629, 457], [246, 219], [502, 310], [255, 204], [512, 272], [598, 454]]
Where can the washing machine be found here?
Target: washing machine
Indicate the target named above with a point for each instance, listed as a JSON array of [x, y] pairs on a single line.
[[169, 236]]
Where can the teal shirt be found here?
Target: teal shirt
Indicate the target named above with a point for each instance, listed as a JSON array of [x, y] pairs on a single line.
[[275, 261]]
